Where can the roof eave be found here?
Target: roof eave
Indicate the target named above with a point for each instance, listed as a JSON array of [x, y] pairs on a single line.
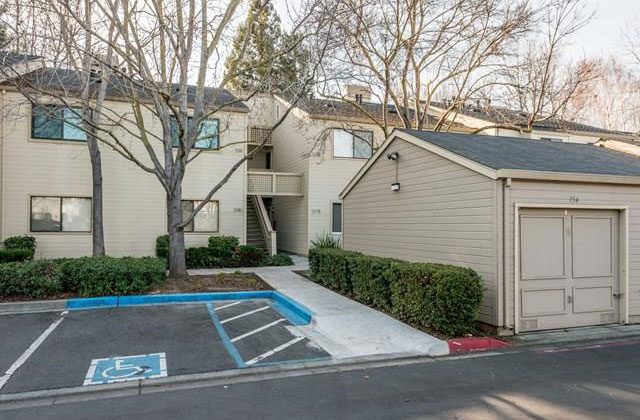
[[568, 177]]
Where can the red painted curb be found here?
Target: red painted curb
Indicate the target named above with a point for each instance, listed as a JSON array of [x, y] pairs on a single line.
[[469, 344]]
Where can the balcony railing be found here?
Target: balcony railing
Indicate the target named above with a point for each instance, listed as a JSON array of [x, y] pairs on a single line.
[[273, 183], [257, 134]]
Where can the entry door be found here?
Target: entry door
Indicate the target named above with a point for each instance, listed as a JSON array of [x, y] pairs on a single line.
[[568, 268]]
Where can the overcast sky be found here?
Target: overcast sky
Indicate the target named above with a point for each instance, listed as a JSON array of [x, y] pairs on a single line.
[[601, 37]]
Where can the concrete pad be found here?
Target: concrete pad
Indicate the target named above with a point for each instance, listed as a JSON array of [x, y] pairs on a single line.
[[601, 332], [17, 332], [341, 326], [184, 332]]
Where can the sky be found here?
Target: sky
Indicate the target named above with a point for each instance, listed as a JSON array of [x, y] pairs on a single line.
[[604, 34]]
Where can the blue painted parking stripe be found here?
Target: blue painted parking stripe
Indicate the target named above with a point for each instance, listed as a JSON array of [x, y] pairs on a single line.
[[231, 349]]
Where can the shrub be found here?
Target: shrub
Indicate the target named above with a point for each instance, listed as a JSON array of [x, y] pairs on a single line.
[[32, 279], [277, 260], [91, 276], [443, 297], [13, 255], [333, 267], [223, 246], [162, 246], [326, 240], [249, 256], [202, 257], [20, 242]]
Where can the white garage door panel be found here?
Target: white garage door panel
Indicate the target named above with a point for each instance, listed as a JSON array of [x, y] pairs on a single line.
[[592, 299], [568, 268], [592, 247], [542, 248], [538, 302]]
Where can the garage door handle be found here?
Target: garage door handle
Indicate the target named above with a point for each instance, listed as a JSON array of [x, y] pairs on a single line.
[[617, 295]]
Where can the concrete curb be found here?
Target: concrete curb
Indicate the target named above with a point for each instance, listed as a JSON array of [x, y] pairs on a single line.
[[200, 380], [295, 312], [33, 306]]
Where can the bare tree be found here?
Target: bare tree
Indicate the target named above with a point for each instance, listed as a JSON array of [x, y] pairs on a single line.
[[409, 52], [540, 83], [162, 57]]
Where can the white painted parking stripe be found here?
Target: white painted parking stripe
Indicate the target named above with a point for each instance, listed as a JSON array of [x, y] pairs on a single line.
[[226, 306], [274, 351], [30, 350], [244, 314], [257, 330]]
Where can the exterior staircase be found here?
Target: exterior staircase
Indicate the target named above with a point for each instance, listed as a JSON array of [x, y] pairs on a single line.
[[255, 236]]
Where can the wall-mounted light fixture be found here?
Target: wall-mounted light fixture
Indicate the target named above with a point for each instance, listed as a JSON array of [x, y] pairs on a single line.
[[395, 186], [392, 156]]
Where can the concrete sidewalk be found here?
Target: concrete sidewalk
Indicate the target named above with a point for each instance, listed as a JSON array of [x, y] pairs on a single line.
[[344, 327]]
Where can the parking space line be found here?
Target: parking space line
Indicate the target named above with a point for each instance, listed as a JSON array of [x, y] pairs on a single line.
[[30, 350], [227, 305], [274, 351], [257, 330], [224, 321], [231, 349]]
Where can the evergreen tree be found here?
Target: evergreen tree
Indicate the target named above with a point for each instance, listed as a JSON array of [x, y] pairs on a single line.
[[263, 56]]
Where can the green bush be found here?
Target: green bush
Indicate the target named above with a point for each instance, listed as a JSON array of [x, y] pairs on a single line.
[[443, 297], [202, 257], [223, 245], [277, 260], [20, 242], [249, 256], [13, 255], [91, 276], [333, 267], [162, 246], [326, 240], [33, 279]]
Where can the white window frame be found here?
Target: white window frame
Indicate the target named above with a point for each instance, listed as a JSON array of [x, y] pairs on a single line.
[[333, 203], [61, 198], [353, 137], [193, 201]]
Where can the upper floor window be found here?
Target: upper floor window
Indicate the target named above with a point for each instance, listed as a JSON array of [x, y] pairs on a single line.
[[207, 218], [60, 214], [352, 144], [208, 136], [55, 122]]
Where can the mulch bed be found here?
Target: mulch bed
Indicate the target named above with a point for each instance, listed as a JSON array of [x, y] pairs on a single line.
[[224, 282]]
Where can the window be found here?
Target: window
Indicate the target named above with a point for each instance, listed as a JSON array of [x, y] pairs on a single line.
[[353, 144], [208, 137], [336, 218], [207, 218], [60, 214], [53, 122]]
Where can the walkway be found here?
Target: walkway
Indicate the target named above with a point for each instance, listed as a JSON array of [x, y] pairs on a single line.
[[341, 326]]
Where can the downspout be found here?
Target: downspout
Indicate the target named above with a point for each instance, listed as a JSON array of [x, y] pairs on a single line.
[[506, 184]]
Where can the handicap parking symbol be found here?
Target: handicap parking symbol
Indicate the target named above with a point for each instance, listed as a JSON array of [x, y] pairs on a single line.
[[126, 368]]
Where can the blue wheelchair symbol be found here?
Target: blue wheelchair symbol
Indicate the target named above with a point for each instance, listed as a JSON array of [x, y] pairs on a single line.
[[126, 368]]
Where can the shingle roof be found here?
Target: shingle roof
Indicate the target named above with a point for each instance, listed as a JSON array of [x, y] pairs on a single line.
[[499, 115], [8, 58], [70, 82], [332, 108], [532, 154]]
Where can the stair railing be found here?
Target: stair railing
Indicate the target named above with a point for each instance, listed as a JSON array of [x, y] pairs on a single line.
[[265, 224]]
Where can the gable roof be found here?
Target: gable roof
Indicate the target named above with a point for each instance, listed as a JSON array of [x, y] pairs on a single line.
[[515, 157], [500, 115], [70, 82], [533, 155], [8, 58]]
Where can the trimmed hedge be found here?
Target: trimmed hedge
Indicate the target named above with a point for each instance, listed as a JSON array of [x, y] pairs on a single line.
[[223, 245], [277, 260], [86, 276], [15, 255], [443, 297], [162, 246], [20, 242]]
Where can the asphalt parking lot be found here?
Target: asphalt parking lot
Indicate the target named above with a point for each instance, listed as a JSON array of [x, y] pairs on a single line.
[[90, 347]]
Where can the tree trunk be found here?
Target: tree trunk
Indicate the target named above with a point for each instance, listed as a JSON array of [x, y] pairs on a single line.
[[177, 258], [97, 226]]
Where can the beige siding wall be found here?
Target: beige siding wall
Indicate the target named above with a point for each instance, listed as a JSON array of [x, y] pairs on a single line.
[[564, 194], [134, 201], [444, 213], [290, 154]]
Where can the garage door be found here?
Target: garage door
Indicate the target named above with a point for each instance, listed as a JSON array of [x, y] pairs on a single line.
[[568, 268]]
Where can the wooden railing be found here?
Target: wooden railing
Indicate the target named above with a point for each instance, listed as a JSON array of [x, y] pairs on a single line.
[[256, 135], [273, 183]]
